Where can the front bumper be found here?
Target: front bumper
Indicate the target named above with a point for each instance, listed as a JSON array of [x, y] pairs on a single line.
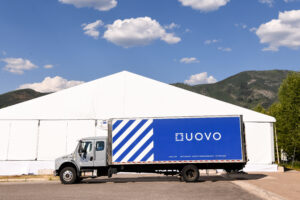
[[55, 173]]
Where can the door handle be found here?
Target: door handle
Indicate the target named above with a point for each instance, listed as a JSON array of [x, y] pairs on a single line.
[[91, 158]]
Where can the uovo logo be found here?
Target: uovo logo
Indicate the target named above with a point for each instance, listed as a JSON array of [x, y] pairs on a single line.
[[181, 137]]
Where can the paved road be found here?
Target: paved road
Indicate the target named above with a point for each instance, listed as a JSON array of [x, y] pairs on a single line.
[[127, 187]]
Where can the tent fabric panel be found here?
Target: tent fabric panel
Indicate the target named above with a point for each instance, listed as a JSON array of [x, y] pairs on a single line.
[[8, 168], [102, 128], [147, 97], [4, 134], [259, 141], [109, 97], [78, 129], [261, 168], [97, 99], [52, 139], [23, 140], [121, 95]]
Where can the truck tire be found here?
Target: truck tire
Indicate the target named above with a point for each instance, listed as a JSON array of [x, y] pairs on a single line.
[[68, 175], [190, 173]]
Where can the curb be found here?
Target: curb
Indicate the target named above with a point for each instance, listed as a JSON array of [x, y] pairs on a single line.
[[257, 191], [9, 180]]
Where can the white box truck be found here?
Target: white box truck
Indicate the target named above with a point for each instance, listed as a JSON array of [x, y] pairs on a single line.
[[172, 146]]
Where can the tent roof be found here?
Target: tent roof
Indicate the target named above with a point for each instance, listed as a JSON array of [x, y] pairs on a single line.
[[122, 95]]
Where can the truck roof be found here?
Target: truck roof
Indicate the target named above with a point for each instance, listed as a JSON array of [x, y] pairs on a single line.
[[94, 138]]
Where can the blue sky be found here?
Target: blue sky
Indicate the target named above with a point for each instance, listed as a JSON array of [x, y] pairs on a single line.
[[169, 40]]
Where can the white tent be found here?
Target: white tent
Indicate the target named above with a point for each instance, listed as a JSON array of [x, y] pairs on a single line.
[[35, 132]]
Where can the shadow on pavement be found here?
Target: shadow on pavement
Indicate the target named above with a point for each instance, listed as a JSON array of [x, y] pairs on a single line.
[[215, 178]]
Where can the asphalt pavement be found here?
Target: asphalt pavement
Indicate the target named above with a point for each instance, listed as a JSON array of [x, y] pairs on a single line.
[[127, 187]]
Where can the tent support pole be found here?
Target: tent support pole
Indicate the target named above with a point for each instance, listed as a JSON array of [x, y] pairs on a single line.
[[8, 141], [277, 152], [37, 140]]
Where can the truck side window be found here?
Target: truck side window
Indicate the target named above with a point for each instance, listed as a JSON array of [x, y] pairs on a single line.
[[100, 146]]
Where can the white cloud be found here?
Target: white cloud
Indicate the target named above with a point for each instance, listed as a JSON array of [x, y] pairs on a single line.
[[190, 60], [171, 26], [268, 2], [200, 78], [281, 32], [101, 5], [289, 1], [241, 25], [226, 49], [204, 5], [253, 29], [91, 29], [48, 66], [18, 65], [137, 32], [211, 41], [51, 84]]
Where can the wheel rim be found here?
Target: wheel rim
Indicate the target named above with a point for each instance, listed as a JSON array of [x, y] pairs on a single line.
[[67, 175]]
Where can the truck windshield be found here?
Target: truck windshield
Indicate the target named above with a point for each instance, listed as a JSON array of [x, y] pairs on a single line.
[[85, 147]]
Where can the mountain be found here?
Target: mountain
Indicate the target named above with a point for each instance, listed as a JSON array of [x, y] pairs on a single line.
[[246, 89], [18, 96]]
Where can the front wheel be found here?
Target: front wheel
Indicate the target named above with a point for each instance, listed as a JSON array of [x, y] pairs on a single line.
[[190, 173], [68, 175]]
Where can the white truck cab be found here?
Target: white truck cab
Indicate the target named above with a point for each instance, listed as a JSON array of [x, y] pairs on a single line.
[[89, 154]]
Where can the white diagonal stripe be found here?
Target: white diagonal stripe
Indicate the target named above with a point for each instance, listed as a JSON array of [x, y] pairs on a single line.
[[132, 139], [114, 121], [148, 148], [123, 123], [128, 130], [151, 158], [138, 146]]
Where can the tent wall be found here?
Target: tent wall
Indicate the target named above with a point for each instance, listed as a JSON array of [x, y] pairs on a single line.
[[52, 139], [44, 140], [22, 140], [25, 141], [260, 143], [4, 132], [25, 167], [260, 147]]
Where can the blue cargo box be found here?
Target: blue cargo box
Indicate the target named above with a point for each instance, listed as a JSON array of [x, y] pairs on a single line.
[[177, 140]]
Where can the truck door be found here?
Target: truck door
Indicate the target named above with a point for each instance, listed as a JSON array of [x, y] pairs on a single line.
[[86, 157], [100, 153]]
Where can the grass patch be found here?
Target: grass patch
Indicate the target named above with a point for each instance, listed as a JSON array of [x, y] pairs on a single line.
[[296, 165], [46, 177]]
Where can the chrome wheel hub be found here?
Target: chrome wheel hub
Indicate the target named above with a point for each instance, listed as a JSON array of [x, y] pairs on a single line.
[[67, 175]]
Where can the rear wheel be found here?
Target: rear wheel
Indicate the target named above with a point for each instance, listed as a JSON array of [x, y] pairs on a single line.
[[190, 173], [68, 175]]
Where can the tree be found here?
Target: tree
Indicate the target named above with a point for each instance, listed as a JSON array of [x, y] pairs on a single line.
[[287, 114], [260, 108]]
